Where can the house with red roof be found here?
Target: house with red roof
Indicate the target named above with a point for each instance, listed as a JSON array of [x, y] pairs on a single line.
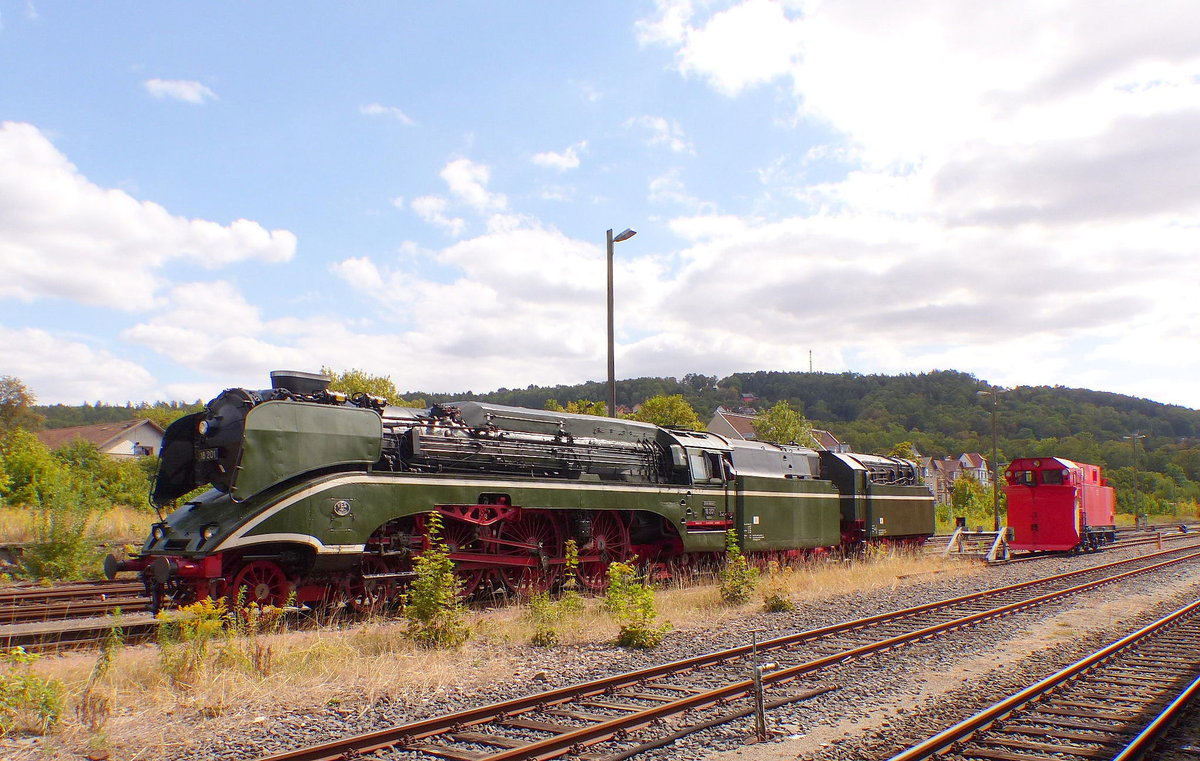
[[131, 438]]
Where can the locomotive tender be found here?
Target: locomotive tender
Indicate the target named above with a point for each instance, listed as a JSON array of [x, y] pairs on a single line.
[[329, 499], [1055, 504]]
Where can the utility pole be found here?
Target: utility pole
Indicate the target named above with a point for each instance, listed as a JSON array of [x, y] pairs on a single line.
[[1137, 488], [995, 464], [612, 372]]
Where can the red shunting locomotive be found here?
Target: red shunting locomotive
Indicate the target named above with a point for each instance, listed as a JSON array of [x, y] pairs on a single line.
[[1056, 504]]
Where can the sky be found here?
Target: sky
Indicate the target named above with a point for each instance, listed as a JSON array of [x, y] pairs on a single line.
[[192, 195]]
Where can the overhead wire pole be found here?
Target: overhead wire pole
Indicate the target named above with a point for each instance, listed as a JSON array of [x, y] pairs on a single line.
[[612, 362], [1137, 489], [995, 464]]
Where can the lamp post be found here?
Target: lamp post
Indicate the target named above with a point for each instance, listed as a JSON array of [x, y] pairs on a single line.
[[995, 464], [1137, 491], [612, 364]]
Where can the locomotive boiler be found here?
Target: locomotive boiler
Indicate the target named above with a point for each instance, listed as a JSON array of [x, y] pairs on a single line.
[[320, 498]]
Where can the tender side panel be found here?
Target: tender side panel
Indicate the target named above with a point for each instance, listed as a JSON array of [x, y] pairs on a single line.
[[778, 514], [286, 439], [899, 511]]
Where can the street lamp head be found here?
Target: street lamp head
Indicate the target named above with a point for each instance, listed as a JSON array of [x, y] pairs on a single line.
[[626, 235]]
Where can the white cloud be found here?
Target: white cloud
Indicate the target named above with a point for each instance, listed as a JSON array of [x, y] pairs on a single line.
[[662, 133], [375, 109], [61, 236], [468, 182], [670, 188], [38, 358], [186, 90], [226, 340], [432, 209], [749, 44], [1020, 197], [567, 159]]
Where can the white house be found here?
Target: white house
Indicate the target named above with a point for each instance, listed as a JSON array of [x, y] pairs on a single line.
[[131, 438]]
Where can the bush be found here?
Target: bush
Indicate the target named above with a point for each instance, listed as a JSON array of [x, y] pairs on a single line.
[[27, 700], [738, 578], [545, 617], [186, 638], [95, 705], [116, 481], [64, 543], [632, 603], [209, 634], [432, 606], [776, 598], [30, 470]]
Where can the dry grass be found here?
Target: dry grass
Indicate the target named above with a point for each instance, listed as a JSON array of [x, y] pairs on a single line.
[[115, 525], [350, 669]]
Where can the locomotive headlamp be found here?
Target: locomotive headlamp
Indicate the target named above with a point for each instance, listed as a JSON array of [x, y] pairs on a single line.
[[209, 531], [202, 427], [156, 532]]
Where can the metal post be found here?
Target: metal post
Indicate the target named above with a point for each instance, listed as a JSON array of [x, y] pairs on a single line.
[[995, 471], [1137, 489], [760, 711], [612, 362]]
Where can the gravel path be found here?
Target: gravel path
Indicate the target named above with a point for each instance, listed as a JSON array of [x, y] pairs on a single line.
[[882, 704]]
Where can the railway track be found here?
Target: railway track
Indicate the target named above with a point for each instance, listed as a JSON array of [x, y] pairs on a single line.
[[1113, 704], [30, 603], [75, 615], [617, 716]]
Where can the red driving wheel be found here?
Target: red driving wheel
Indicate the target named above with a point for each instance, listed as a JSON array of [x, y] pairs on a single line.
[[609, 544], [263, 582], [542, 535]]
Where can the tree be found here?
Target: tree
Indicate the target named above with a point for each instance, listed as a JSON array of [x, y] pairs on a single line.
[[969, 498], [16, 406], [783, 425], [581, 407], [904, 450], [165, 413], [669, 411], [360, 381]]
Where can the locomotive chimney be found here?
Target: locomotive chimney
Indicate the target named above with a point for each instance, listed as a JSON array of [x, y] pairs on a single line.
[[299, 382]]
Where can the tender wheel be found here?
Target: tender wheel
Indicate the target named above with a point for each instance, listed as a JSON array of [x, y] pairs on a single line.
[[609, 544], [264, 583], [541, 532]]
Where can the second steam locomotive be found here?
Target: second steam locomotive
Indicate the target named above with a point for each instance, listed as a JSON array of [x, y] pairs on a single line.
[[323, 498]]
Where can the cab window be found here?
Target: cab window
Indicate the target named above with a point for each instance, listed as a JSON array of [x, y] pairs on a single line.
[[1024, 477], [1052, 476], [699, 463]]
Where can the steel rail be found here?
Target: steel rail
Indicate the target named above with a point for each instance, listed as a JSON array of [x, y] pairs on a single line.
[[985, 718], [405, 735], [57, 611], [1144, 741], [15, 596], [79, 635]]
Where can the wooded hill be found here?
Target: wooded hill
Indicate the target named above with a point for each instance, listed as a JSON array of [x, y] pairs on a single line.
[[941, 413]]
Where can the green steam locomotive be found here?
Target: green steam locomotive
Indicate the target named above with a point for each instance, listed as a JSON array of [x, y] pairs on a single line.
[[321, 498]]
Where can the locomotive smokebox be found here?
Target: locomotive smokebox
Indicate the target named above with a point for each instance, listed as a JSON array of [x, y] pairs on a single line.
[[299, 382]]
